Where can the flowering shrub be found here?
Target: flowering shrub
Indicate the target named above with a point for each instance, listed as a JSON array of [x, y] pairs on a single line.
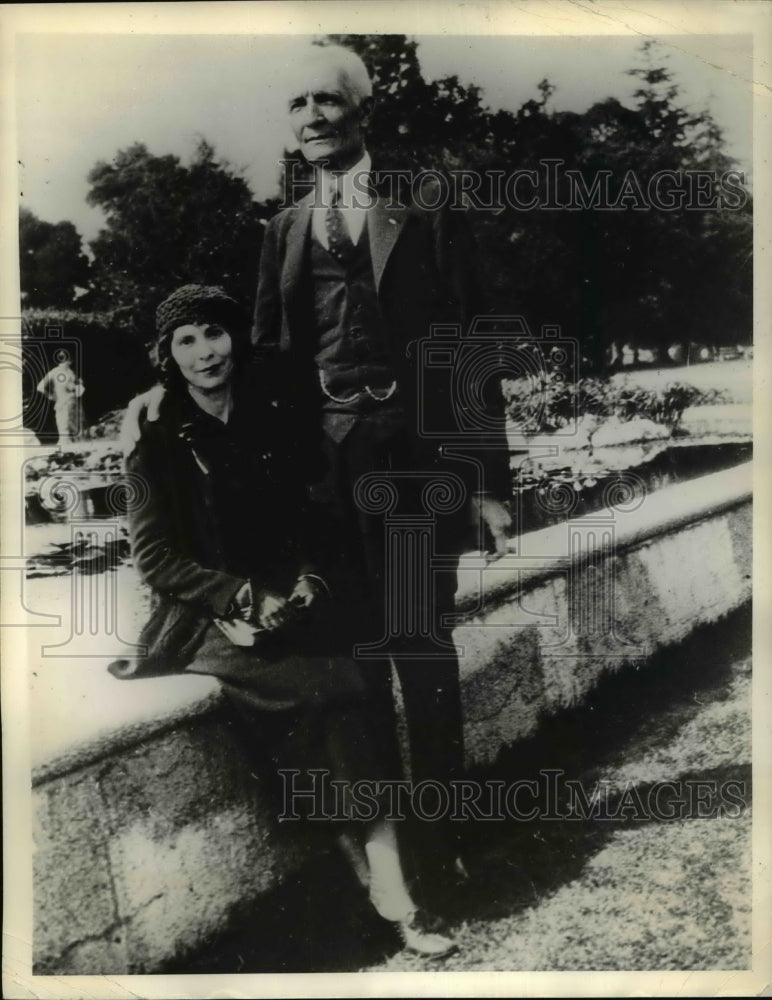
[[552, 403]]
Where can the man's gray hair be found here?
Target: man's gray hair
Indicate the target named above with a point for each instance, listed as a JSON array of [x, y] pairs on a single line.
[[353, 71]]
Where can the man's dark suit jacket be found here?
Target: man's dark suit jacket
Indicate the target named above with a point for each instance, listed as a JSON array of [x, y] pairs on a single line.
[[424, 265]]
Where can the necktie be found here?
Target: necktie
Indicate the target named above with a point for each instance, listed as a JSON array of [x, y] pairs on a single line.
[[339, 242]]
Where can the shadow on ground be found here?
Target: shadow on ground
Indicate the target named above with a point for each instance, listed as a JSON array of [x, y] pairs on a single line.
[[320, 921]]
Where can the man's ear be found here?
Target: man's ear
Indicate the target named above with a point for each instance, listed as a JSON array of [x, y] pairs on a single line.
[[366, 109]]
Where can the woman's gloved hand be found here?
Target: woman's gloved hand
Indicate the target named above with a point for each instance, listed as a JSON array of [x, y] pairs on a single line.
[[271, 611], [308, 589]]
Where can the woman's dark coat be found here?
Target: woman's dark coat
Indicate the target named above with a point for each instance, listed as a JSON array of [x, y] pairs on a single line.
[[211, 498], [178, 534]]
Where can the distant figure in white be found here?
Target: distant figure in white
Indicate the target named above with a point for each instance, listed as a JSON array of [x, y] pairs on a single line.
[[64, 388]]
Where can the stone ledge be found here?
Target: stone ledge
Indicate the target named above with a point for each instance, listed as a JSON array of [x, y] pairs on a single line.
[[110, 716], [142, 855], [151, 836], [115, 715], [546, 649], [724, 419], [547, 552]]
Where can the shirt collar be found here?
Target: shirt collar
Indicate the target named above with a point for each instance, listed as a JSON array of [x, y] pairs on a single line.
[[354, 193]]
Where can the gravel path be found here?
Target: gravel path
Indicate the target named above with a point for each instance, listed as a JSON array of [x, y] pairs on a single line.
[[637, 892]]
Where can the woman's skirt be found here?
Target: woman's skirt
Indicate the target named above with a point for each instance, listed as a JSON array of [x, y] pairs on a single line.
[[313, 720]]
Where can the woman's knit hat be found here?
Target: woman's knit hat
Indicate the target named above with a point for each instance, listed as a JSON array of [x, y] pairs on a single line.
[[193, 303], [196, 304]]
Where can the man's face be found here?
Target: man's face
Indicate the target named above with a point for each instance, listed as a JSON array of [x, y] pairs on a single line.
[[328, 119]]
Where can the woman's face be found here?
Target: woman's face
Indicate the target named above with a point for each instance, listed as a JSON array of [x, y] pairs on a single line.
[[204, 354]]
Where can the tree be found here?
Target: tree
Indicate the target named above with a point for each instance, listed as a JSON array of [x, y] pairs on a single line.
[[645, 277], [169, 224], [53, 267], [704, 253]]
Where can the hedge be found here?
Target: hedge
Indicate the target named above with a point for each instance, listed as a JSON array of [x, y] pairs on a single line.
[[107, 350]]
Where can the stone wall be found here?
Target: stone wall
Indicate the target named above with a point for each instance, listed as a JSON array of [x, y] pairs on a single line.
[[151, 832]]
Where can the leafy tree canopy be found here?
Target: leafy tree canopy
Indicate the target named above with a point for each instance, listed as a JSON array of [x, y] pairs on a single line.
[[53, 267], [168, 223], [636, 274]]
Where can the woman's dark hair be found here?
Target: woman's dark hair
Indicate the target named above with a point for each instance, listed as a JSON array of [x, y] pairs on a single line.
[[198, 304]]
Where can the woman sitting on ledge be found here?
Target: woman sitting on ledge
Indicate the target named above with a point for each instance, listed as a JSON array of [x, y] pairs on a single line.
[[220, 539]]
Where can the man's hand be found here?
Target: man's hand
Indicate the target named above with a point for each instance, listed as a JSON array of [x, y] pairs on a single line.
[[147, 405], [486, 512]]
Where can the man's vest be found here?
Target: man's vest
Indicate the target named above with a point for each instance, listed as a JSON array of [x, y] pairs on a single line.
[[352, 349]]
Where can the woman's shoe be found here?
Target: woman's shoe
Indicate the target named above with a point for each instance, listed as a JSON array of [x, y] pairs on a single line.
[[426, 934]]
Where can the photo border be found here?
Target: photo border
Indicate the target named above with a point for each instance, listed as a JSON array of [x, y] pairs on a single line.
[[540, 17]]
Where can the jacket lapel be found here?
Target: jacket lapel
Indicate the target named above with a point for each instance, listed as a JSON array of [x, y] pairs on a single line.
[[384, 224], [297, 242], [383, 228], [292, 293]]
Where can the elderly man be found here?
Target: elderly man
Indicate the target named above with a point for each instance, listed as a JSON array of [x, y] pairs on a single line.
[[352, 280]]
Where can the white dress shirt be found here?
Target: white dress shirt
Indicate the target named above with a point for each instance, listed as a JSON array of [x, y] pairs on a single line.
[[354, 199]]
